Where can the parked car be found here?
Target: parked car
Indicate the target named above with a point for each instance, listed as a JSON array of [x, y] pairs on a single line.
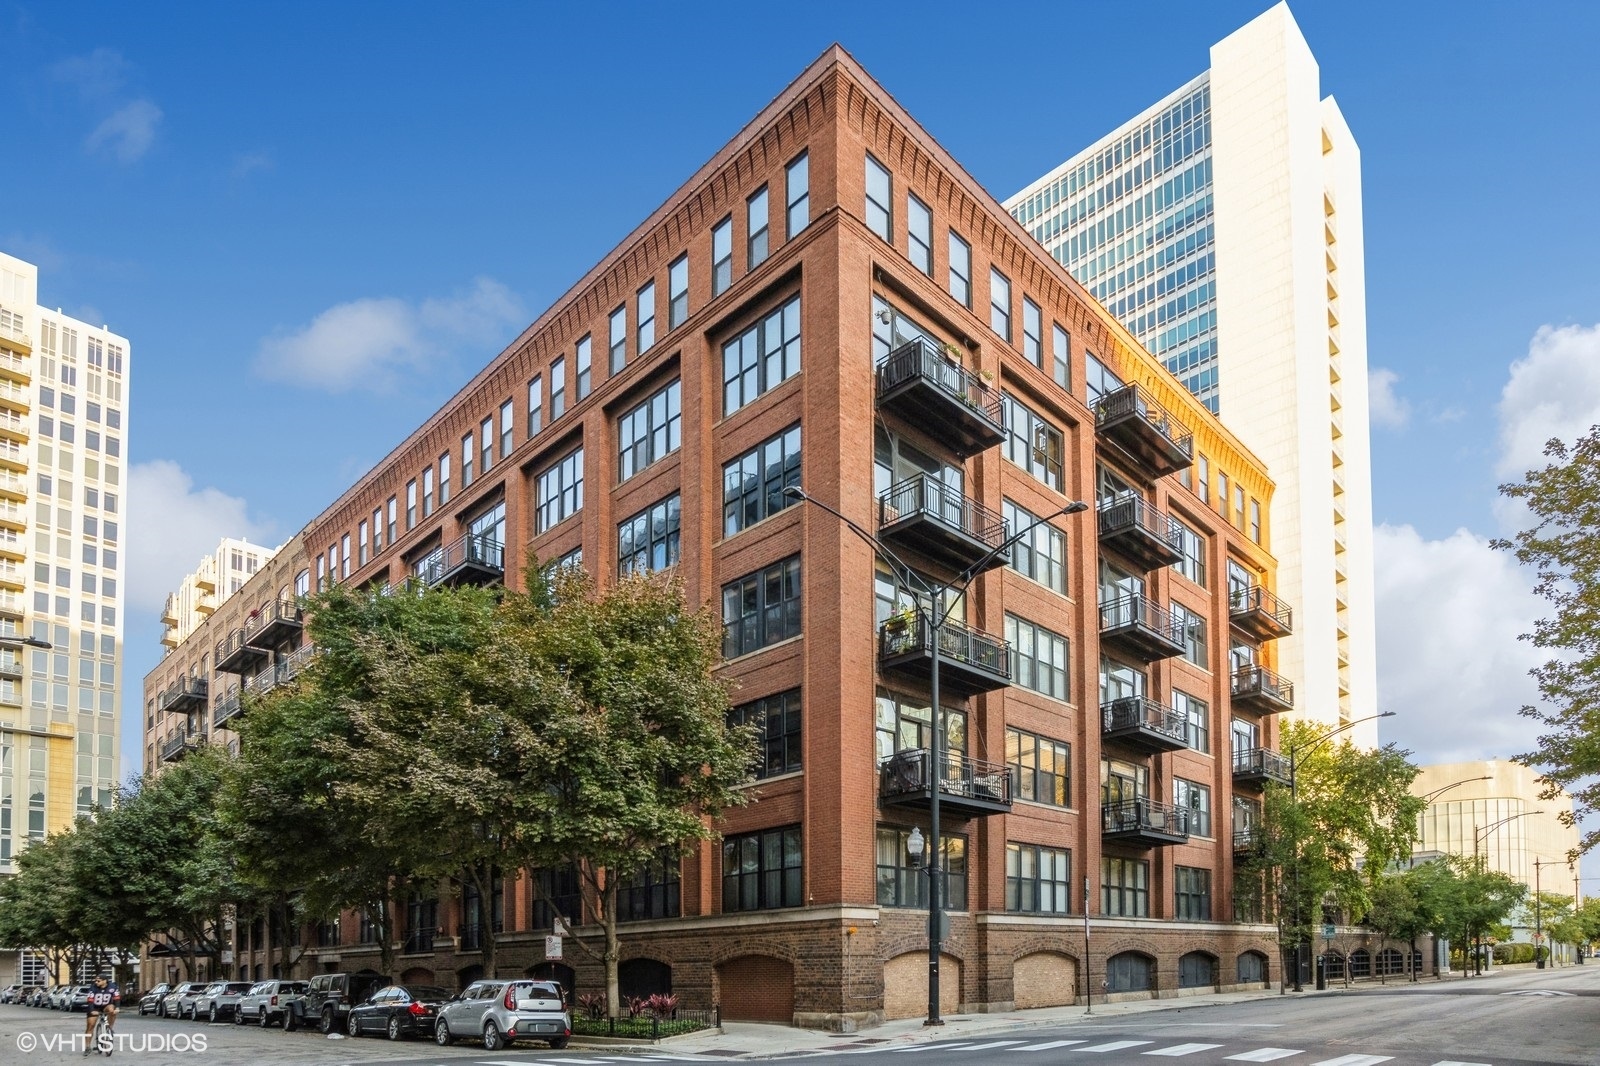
[[191, 999], [502, 1012], [40, 996], [329, 997], [398, 1010], [168, 1006], [151, 1000], [220, 1000], [268, 1002], [60, 997], [77, 998], [9, 993]]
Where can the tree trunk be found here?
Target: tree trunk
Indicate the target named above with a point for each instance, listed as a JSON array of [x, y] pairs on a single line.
[[608, 919]]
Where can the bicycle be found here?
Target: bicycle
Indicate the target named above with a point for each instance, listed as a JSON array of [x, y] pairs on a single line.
[[102, 1039]]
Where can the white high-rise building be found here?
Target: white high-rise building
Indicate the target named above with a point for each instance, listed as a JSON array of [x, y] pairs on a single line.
[[218, 576], [1223, 227]]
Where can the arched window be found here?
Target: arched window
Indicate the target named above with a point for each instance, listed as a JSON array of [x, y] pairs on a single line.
[[1333, 965], [1252, 968], [1130, 972], [1360, 963], [1391, 961], [1197, 970]]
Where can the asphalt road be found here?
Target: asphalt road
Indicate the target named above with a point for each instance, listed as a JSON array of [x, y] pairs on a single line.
[[1519, 1019]]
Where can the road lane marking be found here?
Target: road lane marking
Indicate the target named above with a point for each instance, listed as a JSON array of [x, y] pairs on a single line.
[[1047, 1045], [1453, 1062], [1266, 1054], [926, 1047], [1116, 1045], [1179, 1050], [1354, 1060], [990, 1044]]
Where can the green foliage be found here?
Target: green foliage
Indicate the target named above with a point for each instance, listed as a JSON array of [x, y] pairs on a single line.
[[1563, 547]]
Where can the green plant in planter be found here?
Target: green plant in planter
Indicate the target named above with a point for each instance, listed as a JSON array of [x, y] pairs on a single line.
[[900, 619]]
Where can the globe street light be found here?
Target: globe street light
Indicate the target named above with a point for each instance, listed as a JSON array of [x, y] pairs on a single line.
[[937, 619]]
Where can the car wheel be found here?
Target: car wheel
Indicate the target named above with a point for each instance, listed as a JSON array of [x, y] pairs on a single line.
[[264, 1019], [352, 1025], [492, 1040], [211, 1016], [327, 1021], [441, 1033], [238, 1016], [394, 1029], [558, 1043], [291, 1021]]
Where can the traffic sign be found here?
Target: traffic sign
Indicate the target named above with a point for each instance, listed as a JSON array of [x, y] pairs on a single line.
[[1329, 932]]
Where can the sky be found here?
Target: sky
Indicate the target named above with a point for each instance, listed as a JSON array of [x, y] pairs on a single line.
[[316, 221]]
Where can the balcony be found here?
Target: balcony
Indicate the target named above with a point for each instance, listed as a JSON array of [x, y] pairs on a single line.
[[12, 604], [13, 514], [274, 625], [291, 665], [228, 708], [1257, 767], [1134, 528], [175, 747], [11, 546], [1248, 842], [10, 667], [235, 656], [475, 559], [970, 660], [1257, 613], [14, 425], [1144, 823], [15, 367], [205, 603], [186, 694], [169, 610], [12, 486], [968, 788], [1143, 431], [169, 637], [940, 397], [206, 578], [1255, 688], [13, 456], [418, 942], [957, 533], [1142, 723], [1141, 627], [11, 575]]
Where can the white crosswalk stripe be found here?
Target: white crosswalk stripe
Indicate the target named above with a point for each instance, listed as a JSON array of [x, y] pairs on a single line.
[[1116, 1045], [925, 1047], [1266, 1054], [1354, 1060], [1047, 1045], [989, 1044], [1179, 1050], [1453, 1062]]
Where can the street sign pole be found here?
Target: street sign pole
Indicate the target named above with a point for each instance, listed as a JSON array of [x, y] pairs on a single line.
[[1088, 985]]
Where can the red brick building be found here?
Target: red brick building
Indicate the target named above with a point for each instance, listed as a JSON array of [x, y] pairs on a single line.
[[833, 302]]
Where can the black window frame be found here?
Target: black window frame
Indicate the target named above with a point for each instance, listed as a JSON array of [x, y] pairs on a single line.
[[722, 258], [779, 722], [640, 536], [1122, 896], [1035, 669], [873, 212], [1029, 781], [1019, 447], [901, 885], [797, 204], [758, 372], [755, 621], [678, 298], [758, 228], [1027, 557], [752, 495], [1191, 893], [955, 277], [919, 243], [641, 441], [547, 513], [1027, 894], [763, 887]]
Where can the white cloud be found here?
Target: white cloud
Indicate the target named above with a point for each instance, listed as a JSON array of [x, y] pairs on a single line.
[[172, 525], [97, 76], [247, 163], [1449, 613], [1384, 406], [368, 343], [1553, 392], [127, 132]]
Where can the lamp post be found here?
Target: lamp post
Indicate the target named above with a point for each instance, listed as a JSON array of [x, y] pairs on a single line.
[[1428, 797], [1538, 910], [1477, 838], [1294, 802], [937, 618]]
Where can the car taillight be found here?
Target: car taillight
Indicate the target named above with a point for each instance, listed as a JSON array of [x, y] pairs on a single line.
[[511, 997], [273, 1002], [417, 1009]]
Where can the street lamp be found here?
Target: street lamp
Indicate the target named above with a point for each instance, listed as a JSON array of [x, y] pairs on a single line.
[[1428, 797], [1538, 911], [1477, 838], [919, 585], [1294, 803], [25, 642]]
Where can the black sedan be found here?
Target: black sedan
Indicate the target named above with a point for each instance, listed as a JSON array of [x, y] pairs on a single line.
[[398, 1011]]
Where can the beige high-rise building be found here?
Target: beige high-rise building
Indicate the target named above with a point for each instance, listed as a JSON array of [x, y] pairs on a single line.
[[1492, 808], [63, 407], [219, 575], [1223, 227]]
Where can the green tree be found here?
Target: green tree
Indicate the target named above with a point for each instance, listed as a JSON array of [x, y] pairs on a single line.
[[1476, 900], [1563, 548], [1395, 913]]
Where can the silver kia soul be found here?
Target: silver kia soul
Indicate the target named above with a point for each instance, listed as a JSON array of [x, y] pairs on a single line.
[[501, 1012]]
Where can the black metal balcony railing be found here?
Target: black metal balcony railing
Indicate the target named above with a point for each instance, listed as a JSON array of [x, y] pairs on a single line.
[[230, 706], [965, 530], [1144, 722], [290, 666], [1261, 765], [235, 655], [273, 624], [1247, 839], [471, 936], [971, 660], [180, 744], [1142, 626], [1257, 688], [185, 694], [1259, 613], [1145, 818], [1144, 430], [1136, 528], [418, 942], [966, 786], [921, 383], [474, 558]]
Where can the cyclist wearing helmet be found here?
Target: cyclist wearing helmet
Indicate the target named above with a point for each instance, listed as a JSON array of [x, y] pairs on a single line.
[[103, 996]]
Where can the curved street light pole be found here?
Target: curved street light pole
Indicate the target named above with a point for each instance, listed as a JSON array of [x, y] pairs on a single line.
[[1477, 838], [1294, 802], [1538, 911], [1429, 797], [938, 615]]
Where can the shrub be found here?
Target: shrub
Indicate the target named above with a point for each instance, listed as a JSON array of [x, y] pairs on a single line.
[[593, 1004]]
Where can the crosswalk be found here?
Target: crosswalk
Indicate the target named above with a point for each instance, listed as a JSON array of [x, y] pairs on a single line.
[[1154, 1048], [586, 1060]]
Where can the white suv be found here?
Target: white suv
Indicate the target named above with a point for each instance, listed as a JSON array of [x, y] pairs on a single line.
[[268, 1002]]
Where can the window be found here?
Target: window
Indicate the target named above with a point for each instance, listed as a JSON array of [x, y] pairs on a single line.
[[1196, 969], [467, 450], [486, 445], [1032, 443], [678, 292], [561, 490], [645, 315], [797, 186], [1193, 801], [558, 385], [1193, 563], [777, 722], [1032, 333], [1098, 379], [960, 270], [902, 885], [919, 235], [557, 893], [1000, 304], [652, 892], [619, 339], [1194, 634], [1255, 520], [427, 492], [879, 193], [761, 871], [1061, 346], [1124, 887], [757, 226], [1196, 717], [411, 503], [649, 540], [1238, 505], [444, 479], [761, 608], [651, 431], [753, 484], [762, 357], [363, 543], [583, 360], [1041, 768], [1038, 880], [507, 441], [377, 531], [721, 256], [1042, 554], [1193, 897], [1222, 495], [1038, 657], [344, 558]]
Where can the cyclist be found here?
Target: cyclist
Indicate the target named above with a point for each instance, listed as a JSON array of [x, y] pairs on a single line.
[[103, 996]]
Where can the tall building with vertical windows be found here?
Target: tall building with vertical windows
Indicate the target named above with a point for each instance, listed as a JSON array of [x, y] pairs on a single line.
[[219, 576], [62, 427], [1223, 227]]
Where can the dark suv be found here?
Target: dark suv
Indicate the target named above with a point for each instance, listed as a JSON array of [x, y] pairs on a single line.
[[328, 999]]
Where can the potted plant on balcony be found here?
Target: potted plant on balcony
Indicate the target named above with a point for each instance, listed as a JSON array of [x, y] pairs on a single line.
[[899, 620]]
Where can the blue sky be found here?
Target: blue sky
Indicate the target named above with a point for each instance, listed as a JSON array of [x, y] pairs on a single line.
[[214, 181]]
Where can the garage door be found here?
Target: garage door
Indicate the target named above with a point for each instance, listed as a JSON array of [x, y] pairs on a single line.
[[756, 988], [905, 985], [1044, 979]]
